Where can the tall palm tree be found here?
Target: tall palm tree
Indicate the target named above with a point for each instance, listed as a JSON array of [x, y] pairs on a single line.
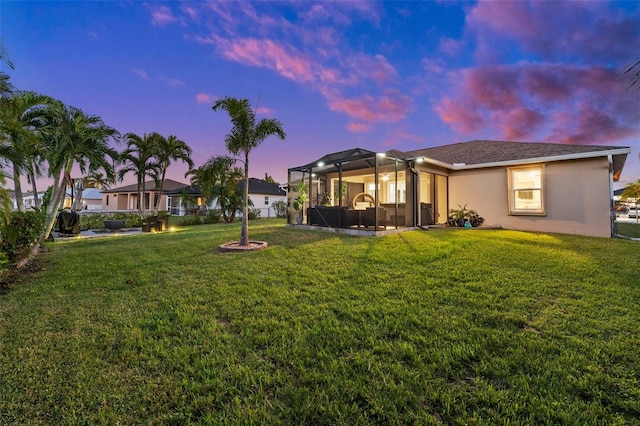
[[632, 190], [167, 149], [245, 135], [5, 85], [138, 159], [75, 139], [20, 119]]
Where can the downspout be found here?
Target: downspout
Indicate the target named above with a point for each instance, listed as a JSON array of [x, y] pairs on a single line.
[[309, 193], [414, 193], [612, 214]]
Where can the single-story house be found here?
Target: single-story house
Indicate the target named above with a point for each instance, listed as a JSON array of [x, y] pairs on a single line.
[[262, 195], [528, 186], [125, 198]]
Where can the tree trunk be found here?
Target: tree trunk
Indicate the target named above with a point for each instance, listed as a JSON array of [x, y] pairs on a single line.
[[18, 189], [34, 187], [57, 197], [77, 202], [157, 204], [244, 234]]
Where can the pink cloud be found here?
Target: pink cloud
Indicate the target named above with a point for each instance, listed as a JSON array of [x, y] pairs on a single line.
[[375, 68], [265, 111], [561, 103], [162, 15], [590, 31], [205, 98], [267, 54], [450, 46], [359, 127], [141, 73], [174, 82], [390, 108]]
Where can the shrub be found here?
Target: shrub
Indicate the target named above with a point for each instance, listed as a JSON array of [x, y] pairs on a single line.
[[458, 217], [280, 207], [213, 216], [21, 234], [254, 213], [96, 220]]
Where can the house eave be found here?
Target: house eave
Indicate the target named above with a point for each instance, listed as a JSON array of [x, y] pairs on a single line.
[[576, 156]]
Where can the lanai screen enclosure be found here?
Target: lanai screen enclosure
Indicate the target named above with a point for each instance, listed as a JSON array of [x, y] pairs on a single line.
[[357, 189]]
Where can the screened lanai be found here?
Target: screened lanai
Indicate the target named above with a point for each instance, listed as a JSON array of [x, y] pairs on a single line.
[[352, 189]]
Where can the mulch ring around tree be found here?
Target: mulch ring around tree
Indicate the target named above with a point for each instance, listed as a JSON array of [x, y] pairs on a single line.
[[234, 246]]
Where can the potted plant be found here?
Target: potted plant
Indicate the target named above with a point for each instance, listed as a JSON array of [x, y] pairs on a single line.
[[463, 217], [298, 202]]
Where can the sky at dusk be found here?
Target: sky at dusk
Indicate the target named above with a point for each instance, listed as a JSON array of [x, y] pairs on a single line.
[[340, 74]]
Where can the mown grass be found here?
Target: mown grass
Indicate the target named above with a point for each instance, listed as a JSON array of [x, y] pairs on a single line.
[[631, 230], [425, 327]]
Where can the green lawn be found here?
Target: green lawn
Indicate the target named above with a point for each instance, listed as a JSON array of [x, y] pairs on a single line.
[[425, 327], [628, 229]]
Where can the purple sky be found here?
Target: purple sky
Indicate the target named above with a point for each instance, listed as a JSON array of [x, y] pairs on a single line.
[[339, 75]]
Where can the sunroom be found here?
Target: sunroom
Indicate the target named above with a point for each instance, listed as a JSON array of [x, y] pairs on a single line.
[[354, 189]]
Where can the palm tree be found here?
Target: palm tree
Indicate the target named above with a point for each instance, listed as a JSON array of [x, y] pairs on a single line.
[[75, 139], [245, 135], [218, 179], [20, 118], [97, 180], [167, 149], [5, 85], [138, 158], [632, 190]]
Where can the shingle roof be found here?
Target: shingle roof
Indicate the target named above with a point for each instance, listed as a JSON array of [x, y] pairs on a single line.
[[169, 185], [484, 152], [256, 186], [259, 186]]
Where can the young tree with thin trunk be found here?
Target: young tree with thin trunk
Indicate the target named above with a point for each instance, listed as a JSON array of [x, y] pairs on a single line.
[[245, 135]]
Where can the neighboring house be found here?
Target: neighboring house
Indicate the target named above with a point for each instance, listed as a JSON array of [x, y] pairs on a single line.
[[29, 201], [532, 186], [262, 195], [91, 199], [188, 200], [125, 198]]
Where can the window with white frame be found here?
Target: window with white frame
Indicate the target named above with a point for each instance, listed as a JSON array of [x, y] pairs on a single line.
[[526, 190], [266, 200]]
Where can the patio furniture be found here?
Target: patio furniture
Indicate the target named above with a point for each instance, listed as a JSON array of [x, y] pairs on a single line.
[[114, 225], [370, 217], [68, 223], [155, 223], [332, 216]]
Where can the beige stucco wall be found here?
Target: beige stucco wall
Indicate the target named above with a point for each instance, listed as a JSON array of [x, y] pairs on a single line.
[[577, 197]]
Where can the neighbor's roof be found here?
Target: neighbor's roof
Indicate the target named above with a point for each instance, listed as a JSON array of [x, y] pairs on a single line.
[[169, 185], [256, 186], [483, 152], [91, 194], [259, 186]]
